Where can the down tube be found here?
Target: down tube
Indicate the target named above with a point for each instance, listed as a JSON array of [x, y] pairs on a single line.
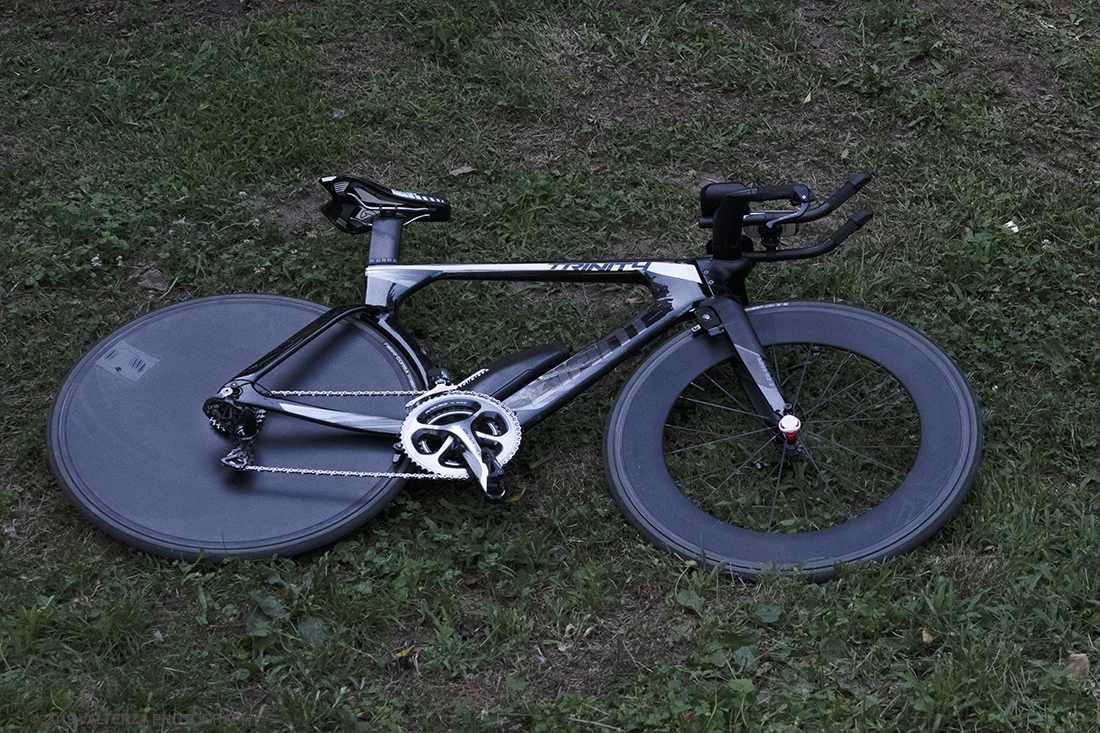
[[556, 388]]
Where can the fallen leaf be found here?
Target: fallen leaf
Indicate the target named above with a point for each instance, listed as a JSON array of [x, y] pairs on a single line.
[[463, 171], [833, 649], [313, 630], [152, 279], [807, 99], [925, 636], [690, 599], [1078, 665]]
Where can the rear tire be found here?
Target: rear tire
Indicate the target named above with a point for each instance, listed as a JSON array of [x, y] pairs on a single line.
[[891, 439], [131, 447]]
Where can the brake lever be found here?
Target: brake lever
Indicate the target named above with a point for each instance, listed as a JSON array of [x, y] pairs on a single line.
[[793, 215]]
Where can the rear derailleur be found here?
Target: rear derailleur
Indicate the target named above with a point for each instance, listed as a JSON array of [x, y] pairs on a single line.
[[239, 423]]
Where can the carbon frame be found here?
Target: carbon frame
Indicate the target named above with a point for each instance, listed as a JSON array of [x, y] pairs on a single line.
[[677, 288]]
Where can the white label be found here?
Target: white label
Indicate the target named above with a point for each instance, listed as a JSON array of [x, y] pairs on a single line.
[[127, 362]]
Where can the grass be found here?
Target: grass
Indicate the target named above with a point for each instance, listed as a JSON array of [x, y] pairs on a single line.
[[159, 135]]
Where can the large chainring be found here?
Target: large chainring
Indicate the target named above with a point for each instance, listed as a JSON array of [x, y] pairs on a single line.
[[437, 431]]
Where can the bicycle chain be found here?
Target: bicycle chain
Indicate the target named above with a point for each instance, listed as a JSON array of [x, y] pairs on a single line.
[[343, 393], [352, 393], [351, 474]]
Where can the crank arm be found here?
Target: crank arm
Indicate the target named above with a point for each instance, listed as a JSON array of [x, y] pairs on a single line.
[[480, 462]]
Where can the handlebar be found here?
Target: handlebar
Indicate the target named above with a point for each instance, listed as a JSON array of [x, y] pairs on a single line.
[[725, 209], [713, 194], [827, 244]]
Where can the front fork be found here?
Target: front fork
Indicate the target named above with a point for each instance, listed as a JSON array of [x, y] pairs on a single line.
[[724, 315]]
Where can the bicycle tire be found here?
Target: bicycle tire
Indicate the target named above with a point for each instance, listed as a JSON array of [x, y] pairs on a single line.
[[710, 495], [129, 444]]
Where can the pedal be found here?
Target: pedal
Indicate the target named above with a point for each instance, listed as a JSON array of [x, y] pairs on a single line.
[[495, 490]]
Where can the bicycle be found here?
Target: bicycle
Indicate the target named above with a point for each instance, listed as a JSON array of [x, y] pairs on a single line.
[[793, 435]]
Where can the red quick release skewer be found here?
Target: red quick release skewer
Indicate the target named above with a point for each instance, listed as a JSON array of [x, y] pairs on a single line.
[[789, 425]]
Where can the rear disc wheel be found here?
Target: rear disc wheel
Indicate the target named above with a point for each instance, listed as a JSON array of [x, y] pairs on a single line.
[[131, 447]]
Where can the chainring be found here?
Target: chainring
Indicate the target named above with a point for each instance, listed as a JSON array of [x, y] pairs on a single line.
[[428, 433]]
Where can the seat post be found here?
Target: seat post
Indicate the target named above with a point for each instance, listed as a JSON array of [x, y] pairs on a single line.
[[385, 240]]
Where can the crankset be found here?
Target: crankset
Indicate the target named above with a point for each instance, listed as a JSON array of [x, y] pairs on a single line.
[[457, 434]]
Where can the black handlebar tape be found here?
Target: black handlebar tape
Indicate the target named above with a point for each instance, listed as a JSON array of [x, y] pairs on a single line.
[[795, 193], [849, 189], [713, 194], [849, 228]]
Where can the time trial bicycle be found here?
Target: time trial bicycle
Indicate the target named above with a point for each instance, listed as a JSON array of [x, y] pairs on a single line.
[[790, 435]]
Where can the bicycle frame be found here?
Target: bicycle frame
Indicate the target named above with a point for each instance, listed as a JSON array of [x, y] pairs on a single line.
[[679, 289], [676, 287]]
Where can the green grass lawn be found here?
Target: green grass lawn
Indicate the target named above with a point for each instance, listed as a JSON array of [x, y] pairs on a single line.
[[153, 151]]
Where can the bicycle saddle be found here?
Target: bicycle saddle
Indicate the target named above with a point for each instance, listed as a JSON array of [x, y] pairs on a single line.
[[356, 203]]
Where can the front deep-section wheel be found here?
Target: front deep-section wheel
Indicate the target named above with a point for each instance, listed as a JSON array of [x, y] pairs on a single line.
[[889, 444], [131, 446]]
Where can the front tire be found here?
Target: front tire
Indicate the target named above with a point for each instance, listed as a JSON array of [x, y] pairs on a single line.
[[890, 444]]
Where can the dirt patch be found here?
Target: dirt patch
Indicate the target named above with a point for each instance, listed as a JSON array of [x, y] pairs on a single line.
[[124, 15], [352, 61], [593, 87], [826, 38], [993, 51], [13, 150], [299, 215]]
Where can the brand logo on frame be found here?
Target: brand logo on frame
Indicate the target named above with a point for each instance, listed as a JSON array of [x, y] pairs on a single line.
[[601, 266]]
